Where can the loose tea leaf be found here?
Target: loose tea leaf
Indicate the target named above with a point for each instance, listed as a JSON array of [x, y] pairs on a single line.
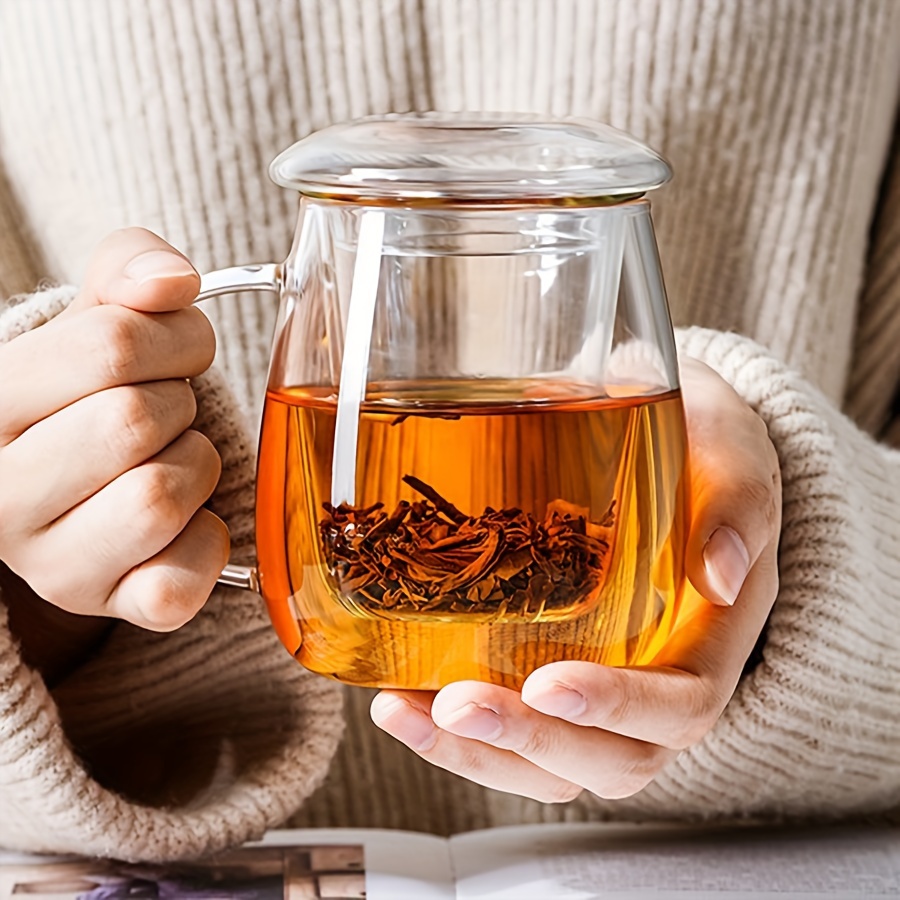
[[428, 556]]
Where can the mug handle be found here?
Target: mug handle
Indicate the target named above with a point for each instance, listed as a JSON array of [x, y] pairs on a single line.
[[264, 277]]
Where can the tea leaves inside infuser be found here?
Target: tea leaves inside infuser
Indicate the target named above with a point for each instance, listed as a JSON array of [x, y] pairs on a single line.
[[428, 556]]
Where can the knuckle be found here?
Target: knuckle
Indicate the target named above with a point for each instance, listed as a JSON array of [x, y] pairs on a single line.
[[164, 505], [692, 732], [538, 743], [198, 444], [175, 404], [160, 510], [142, 420], [204, 459], [131, 425], [185, 400], [758, 493], [167, 604], [221, 544], [621, 710], [202, 334], [203, 453], [469, 760], [215, 540], [623, 701], [706, 714], [704, 709], [116, 343]]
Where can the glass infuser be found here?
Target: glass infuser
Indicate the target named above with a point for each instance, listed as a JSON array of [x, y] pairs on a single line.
[[472, 457]]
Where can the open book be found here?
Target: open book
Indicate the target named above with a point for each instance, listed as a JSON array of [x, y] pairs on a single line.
[[532, 862]]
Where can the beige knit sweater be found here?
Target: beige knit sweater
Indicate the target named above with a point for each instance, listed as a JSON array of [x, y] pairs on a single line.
[[782, 226]]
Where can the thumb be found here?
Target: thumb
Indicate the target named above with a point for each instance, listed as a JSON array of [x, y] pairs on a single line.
[[735, 487], [138, 269]]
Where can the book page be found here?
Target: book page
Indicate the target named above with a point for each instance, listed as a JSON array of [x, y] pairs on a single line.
[[400, 865], [615, 862], [326, 864]]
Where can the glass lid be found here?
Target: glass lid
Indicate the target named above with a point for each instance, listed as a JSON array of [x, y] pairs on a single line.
[[471, 157]]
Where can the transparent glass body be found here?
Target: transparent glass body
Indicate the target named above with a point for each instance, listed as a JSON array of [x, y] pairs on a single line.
[[472, 459]]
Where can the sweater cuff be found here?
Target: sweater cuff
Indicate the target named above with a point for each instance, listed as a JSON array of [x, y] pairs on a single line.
[[814, 728], [26, 312], [165, 745]]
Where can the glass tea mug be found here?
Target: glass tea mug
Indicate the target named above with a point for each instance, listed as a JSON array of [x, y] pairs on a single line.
[[472, 458]]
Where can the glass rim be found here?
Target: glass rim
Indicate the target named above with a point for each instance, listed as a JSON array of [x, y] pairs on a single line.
[[443, 204]]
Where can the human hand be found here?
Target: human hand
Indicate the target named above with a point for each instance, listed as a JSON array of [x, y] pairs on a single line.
[[581, 726], [102, 480]]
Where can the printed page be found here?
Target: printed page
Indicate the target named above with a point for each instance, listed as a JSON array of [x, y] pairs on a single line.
[[327, 864], [615, 862], [400, 865]]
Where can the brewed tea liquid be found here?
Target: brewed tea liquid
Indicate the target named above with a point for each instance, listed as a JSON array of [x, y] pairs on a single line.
[[562, 538]]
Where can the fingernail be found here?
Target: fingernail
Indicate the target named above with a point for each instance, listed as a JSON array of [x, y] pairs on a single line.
[[560, 701], [157, 264], [474, 721], [405, 722], [727, 563]]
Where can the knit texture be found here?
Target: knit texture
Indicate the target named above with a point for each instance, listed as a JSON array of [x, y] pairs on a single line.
[[778, 155], [213, 731], [870, 401], [781, 225]]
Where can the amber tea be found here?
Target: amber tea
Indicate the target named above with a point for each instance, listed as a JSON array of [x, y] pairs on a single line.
[[496, 527]]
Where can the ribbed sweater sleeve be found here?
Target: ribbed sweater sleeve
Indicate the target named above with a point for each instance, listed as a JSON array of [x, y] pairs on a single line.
[[815, 728], [231, 733]]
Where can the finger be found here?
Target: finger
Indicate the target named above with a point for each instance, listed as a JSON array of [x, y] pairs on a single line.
[[108, 433], [136, 268], [668, 707], [735, 485], [168, 590], [405, 716], [127, 522], [45, 370], [607, 764], [678, 699]]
